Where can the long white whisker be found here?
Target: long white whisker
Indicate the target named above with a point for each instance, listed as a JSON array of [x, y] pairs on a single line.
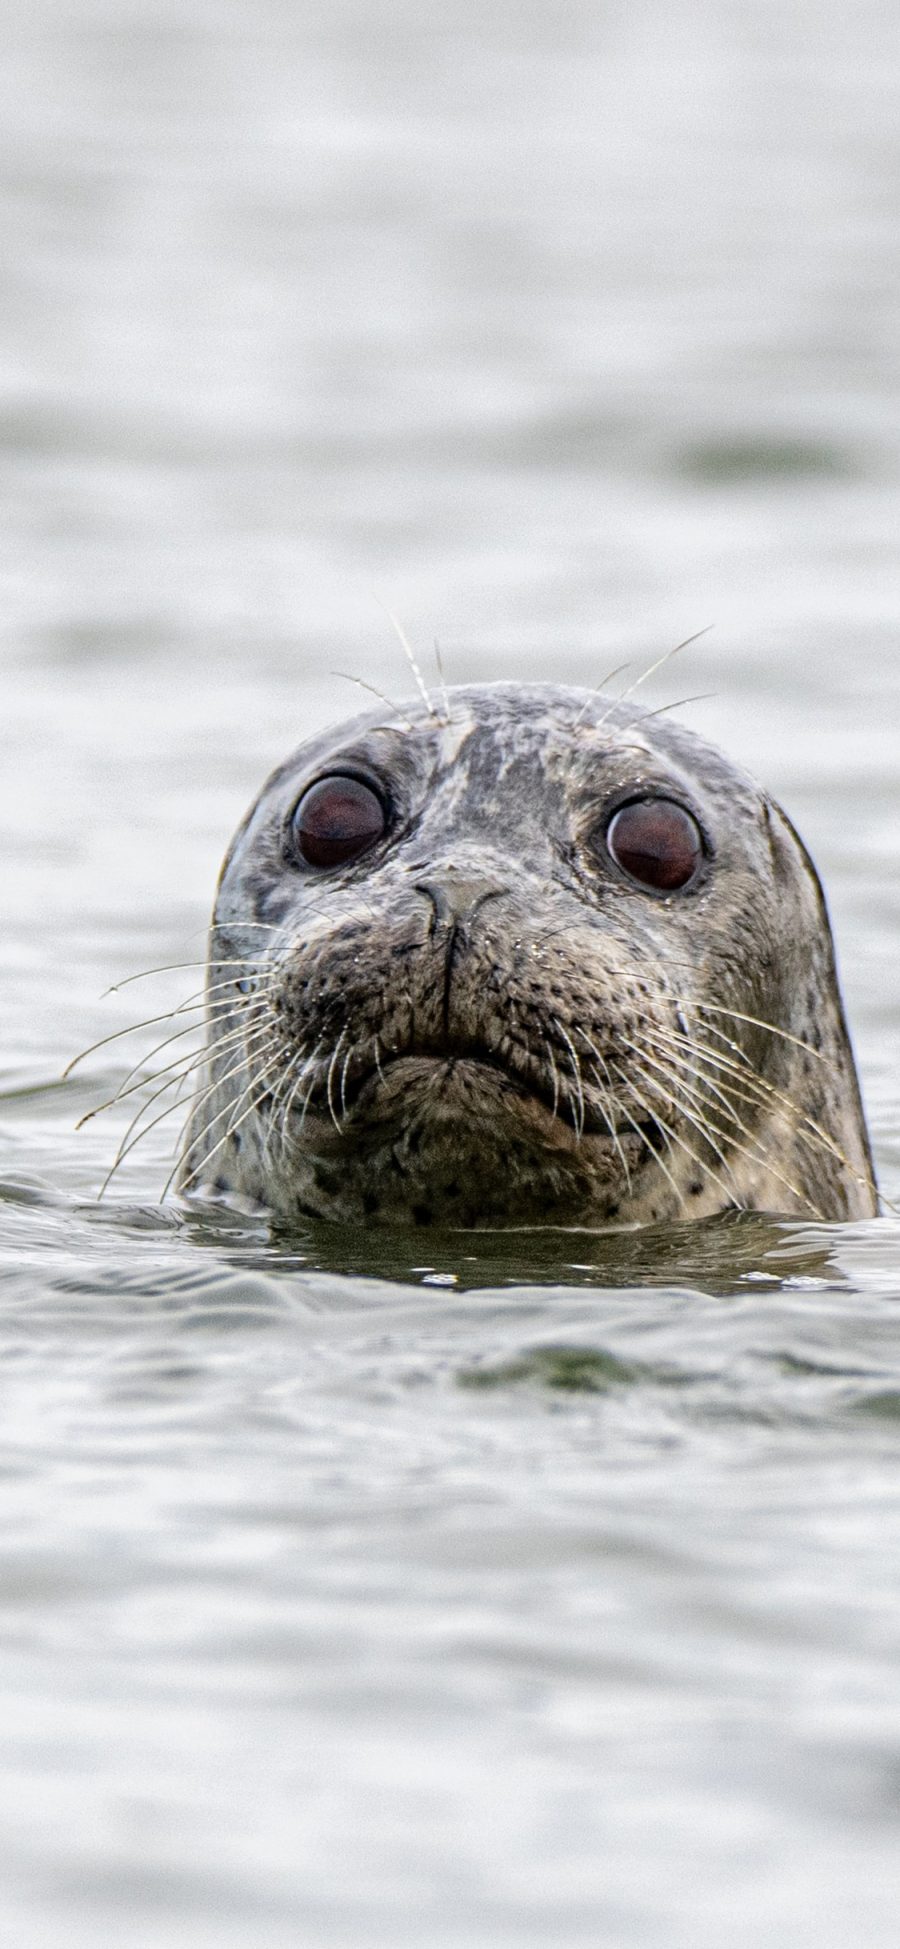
[[330, 1078], [673, 1138], [343, 1082], [713, 1008], [578, 1107], [658, 665], [127, 1087], [762, 1091], [675, 1098], [642, 1134], [606, 1093], [126, 1146], [305, 1066], [151, 1022], [410, 658], [709, 1130], [209, 962], [439, 660], [549, 1048], [597, 691], [258, 1079], [382, 699]]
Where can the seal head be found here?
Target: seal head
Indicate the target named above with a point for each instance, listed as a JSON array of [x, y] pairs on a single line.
[[541, 959]]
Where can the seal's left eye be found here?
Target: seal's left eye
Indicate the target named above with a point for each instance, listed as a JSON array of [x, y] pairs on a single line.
[[337, 819]]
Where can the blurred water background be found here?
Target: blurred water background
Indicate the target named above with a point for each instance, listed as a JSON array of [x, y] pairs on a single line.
[[436, 1590]]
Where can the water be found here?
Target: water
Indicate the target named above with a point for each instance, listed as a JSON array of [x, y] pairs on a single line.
[[452, 1590]]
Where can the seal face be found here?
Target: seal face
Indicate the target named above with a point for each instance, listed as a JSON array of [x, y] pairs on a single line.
[[543, 959]]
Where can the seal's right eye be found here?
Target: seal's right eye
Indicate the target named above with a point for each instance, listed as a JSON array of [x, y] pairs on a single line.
[[656, 842], [336, 820]]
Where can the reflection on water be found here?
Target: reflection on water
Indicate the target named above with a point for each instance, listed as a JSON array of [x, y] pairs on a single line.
[[394, 1589], [715, 1255]]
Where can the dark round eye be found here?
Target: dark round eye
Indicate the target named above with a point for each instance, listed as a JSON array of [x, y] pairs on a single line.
[[656, 842], [337, 819]]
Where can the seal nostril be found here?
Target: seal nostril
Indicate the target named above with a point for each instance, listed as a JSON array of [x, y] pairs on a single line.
[[457, 898]]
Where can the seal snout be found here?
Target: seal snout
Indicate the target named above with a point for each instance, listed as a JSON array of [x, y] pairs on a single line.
[[457, 894]]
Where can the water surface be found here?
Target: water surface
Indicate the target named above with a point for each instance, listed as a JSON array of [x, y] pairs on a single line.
[[447, 1589]]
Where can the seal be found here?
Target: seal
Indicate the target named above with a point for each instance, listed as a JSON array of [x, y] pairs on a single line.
[[537, 958]]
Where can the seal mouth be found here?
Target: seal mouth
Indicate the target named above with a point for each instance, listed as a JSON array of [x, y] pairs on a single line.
[[348, 1092]]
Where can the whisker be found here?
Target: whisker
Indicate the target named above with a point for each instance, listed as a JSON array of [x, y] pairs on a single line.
[[698, 1121], [549, 1048], [751, 1089], [331, 1068], [127, 1087], [343, 1083], [126, 1146], [269, 1047], [382, 699], [305, 1105], [658, 665], [126, 1149], [654, 1153], [261, 1031], [179, 1151], [608, 1113], [739, 1065], [598, 689], [293, 1093], [756, 1155], [195, 1003], [151, 1022], [180, 1067], [578, 1107], [410, 658], [439, 660], [677, 1089], [174, 967], [713, 1008], [258, 1080], [679, 704], [674, 1138]]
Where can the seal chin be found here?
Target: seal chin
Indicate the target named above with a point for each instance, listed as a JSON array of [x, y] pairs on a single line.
[[460, 1142], [467, 1091]]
